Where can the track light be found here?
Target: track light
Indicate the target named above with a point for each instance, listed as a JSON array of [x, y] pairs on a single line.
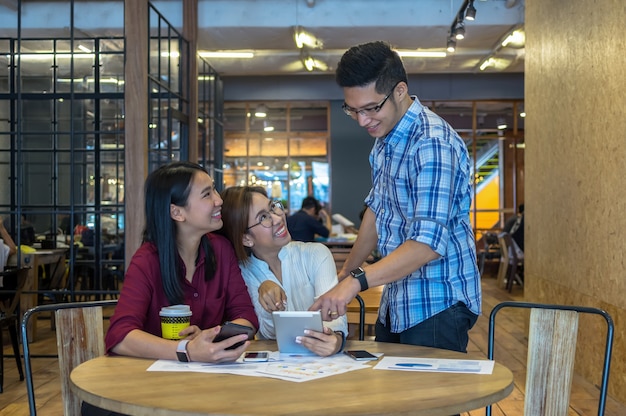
[[487, 63], [451, 45], [303, 39], [457, 28], [311, 63], [470, 12], [515, 38], [459, 31], [502, 123]]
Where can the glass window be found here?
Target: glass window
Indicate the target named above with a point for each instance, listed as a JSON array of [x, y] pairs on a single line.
[[282, 146]]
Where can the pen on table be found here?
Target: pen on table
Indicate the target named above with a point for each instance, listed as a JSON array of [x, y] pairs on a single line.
[[409, 365]]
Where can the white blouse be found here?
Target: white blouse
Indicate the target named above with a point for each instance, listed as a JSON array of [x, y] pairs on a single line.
[[308, 271]]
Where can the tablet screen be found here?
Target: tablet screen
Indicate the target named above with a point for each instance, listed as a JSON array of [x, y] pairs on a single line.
[[291, 324]]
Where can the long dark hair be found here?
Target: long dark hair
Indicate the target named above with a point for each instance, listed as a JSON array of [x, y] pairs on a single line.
[[171, 184]]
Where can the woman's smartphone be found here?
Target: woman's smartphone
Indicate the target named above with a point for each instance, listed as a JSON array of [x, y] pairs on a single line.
[[230, 329], [256, 356], [361, 355]]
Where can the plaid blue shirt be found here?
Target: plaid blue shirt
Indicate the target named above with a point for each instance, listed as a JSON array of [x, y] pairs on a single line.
[[421, 191]]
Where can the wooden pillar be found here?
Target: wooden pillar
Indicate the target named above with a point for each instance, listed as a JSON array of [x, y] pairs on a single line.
[[135, 120], [190, 77]]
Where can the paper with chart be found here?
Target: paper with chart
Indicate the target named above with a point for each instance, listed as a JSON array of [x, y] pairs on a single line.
[[435, 365], [290, 368]]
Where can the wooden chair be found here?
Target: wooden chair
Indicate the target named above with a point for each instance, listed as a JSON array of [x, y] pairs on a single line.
[[490, 250], [551, 351], [80, 337], [13, 281]]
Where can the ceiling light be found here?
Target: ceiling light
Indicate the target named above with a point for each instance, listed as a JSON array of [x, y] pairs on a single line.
[[303, 39], [226, 54], [487, 63], [517, 38], [311, 63], [522, 114], [261, 111], [451, 45], [502, 123], [84, 49], [267, 126], [470, 12], [459, 31], [422, 54]]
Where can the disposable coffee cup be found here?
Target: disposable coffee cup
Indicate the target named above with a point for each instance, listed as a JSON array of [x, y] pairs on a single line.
[[173, 320]]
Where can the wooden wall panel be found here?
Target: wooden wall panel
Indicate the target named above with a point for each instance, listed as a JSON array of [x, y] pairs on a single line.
[[135, 120], [575, 202]]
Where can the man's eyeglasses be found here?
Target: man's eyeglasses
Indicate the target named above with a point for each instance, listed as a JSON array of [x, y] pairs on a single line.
[[369, 111], [265, 218]]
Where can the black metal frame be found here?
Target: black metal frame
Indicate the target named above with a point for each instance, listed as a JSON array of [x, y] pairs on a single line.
[[580, 309], [30, 389], [361, 317], [10, 320]]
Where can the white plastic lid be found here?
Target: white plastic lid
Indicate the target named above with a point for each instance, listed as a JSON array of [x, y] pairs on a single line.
[[175, 310]]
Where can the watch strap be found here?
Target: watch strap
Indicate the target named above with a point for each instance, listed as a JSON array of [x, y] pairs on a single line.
[[359, 274], [181, 351]]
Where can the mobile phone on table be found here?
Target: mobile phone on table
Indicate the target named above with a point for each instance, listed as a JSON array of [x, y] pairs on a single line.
[[256, 356], [361, 355], [230, 329]]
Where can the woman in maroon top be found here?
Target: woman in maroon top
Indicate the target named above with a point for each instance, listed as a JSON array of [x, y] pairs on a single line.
[[181, 262]]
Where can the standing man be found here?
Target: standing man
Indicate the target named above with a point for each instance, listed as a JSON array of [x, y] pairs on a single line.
[[417, 211]]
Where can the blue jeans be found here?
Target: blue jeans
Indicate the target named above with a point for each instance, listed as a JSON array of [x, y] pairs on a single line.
[[448, 330]]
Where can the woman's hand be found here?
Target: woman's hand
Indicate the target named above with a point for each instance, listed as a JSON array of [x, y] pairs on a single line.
[[272, 297], [321, 343], [190, 332], [202, 348]]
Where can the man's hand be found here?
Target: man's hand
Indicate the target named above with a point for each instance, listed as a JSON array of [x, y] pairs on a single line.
[[334, 303]]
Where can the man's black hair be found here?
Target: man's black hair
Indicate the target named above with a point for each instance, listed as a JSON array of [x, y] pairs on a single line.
[[371, 62]]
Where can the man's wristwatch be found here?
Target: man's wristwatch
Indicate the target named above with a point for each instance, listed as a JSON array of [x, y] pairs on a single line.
[[182, 353], [359, 274]]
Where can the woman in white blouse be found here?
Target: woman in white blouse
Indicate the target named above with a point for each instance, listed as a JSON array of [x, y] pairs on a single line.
[[280, 274]]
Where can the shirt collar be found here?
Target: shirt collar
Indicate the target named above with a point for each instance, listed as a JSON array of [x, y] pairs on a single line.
[[396, 134]]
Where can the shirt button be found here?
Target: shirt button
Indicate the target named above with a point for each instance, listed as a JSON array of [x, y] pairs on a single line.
[[195, 295], [382, 210], [387, 158]]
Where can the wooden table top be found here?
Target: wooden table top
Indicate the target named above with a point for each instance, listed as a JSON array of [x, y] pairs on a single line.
[[122, 384]]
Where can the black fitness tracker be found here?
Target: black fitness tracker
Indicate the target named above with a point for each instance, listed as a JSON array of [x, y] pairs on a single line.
[[181, 352], [359, 274]]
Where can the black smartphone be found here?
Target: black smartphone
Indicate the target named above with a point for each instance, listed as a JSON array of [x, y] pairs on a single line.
[[230, 329], [256, 356], [361, 355]]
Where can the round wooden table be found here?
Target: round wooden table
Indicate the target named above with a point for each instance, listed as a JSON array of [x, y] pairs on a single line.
[[122, 384]]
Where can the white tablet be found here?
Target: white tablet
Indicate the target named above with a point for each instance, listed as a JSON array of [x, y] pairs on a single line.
[[291, 324]]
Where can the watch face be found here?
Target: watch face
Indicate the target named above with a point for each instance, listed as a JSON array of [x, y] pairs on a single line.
[[357, 272], [181, 351]]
